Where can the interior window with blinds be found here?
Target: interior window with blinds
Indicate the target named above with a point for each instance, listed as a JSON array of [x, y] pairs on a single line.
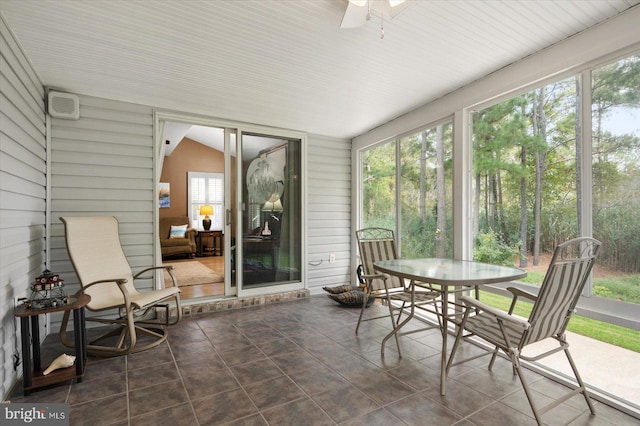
[[206, 189]]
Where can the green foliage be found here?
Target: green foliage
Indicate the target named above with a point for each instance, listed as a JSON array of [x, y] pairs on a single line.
[[602, 291], [419, 237], [490, 249], [378, 188], [616, 223], [533, 136], [624, 288], [533, 277]]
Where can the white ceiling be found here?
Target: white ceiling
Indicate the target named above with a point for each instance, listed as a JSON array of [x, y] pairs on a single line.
[[213, 137], [286, 63]]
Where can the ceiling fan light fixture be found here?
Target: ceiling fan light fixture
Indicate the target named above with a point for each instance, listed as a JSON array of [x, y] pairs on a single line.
[[392, 3], [356, 14]]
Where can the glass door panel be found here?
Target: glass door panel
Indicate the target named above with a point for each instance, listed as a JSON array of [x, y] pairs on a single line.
[[270, 247], [230, 149]]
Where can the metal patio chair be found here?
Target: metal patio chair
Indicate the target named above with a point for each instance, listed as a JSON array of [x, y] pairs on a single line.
[[140, 317], [553, 307], [376, 244]]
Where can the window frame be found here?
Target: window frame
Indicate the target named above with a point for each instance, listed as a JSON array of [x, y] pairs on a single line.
[[590, 306]]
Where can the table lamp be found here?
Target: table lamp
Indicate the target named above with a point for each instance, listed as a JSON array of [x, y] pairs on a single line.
[[206, 211]]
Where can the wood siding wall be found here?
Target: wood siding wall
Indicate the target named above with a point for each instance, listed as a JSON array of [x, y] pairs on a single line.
[[22, 192]]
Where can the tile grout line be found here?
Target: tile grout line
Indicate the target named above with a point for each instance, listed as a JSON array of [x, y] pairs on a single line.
[[231, 371], [306, 395], [175, 364], [126, 388]]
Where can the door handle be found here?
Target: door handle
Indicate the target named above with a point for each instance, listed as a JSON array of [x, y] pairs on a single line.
[[228, 216]]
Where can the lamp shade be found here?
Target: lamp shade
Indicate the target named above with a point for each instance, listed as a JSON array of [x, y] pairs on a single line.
[[274, 206], [206, 210]]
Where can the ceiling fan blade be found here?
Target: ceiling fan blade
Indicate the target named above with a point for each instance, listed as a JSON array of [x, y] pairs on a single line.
[[354, 16]]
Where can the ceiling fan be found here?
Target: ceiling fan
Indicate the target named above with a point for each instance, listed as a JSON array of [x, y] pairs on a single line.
[[360, 11]]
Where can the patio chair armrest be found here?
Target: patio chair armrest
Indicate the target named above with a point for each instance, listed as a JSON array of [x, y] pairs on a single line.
[[119, 281], [168, 268], [522, 293], [473, 303], [376, 276]]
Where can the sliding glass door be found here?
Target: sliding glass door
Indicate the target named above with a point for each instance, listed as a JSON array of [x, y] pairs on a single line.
[[268, 246], [247, 185]]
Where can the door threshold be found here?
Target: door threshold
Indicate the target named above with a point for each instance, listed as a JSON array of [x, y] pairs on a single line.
[[199, 306]]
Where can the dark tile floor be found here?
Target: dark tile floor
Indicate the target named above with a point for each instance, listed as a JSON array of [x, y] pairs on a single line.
[[300, 363]]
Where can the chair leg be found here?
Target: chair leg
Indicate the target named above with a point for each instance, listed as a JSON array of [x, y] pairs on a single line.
[[515, 361], [125, 335], [494, 355], [365, 299], [585, 393]]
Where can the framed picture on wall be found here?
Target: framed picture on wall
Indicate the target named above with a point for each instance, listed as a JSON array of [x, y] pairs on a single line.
[[164, 195]]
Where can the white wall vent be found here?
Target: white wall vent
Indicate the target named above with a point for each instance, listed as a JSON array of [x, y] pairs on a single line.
[[64, 105]]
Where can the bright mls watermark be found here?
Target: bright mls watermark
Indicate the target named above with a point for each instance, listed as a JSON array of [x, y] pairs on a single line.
[[34, 414]]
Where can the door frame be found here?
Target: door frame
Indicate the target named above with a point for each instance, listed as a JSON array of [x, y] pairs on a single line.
[[232, 212], [159, 119]]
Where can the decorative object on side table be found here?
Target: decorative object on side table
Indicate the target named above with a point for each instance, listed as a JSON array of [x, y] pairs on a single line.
[[63, 361], [46, 291], [206, 211]]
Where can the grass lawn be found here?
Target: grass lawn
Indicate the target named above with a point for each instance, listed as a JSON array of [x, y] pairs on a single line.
[[609, 333], [625, 288]]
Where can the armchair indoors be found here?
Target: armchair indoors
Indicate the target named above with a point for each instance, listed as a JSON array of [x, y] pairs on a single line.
[[184, 244], [552, 309], [93, 244], [376, 244]]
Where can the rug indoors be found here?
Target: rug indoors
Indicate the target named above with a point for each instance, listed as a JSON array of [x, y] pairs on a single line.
[[192, 273]]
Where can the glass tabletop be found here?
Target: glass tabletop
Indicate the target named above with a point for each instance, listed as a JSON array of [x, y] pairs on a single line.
[[449, 271]]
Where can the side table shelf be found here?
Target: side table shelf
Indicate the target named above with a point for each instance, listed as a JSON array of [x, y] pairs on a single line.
[[217, 247], [32, 375]]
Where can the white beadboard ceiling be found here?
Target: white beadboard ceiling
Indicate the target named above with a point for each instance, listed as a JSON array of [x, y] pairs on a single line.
[[286, 63]]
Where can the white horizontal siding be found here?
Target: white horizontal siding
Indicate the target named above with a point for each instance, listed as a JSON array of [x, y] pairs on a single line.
[[328, 212], [102, 165], [22, 192]]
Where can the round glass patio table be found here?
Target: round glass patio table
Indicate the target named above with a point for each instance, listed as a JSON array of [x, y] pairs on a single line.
[[446, 273]]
